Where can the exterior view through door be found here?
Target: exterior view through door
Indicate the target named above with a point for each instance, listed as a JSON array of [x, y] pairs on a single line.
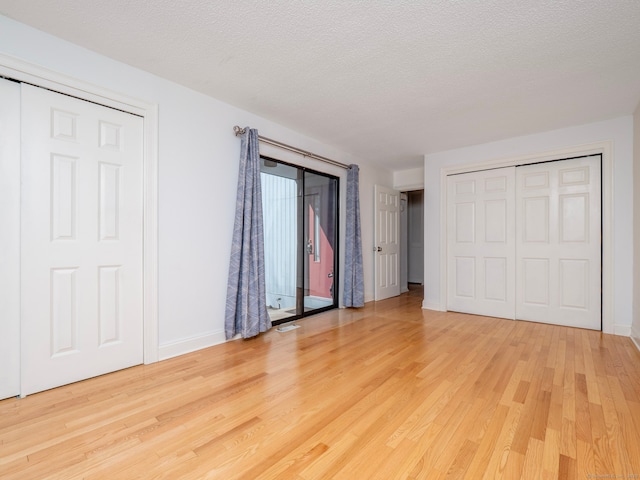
[[525, 242], [300, 217]]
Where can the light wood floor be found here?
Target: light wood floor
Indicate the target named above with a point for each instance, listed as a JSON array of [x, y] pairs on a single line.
[[388, 391]]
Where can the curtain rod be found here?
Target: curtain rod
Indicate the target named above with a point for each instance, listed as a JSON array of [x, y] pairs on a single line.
[[239, 131]]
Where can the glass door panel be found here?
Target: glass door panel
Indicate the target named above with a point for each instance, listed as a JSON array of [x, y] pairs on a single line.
[[300, 240], [320, 241], [280, 198]]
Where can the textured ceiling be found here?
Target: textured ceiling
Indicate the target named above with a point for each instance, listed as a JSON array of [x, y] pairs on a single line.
[[385, 80]]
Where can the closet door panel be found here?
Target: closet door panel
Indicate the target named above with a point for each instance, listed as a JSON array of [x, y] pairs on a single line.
[[558, 242], [81, 240], [481, 243]]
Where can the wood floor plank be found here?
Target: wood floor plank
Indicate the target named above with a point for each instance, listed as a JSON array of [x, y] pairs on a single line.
[[551, 454], [387, 391], [496, 466], [532, 467], [487, 444]]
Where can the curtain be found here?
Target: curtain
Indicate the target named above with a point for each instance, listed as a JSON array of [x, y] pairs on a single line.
[[246, 308], [353, 276]]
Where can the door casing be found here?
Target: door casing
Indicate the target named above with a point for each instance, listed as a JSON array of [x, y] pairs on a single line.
[[9, 239], [19, 70]]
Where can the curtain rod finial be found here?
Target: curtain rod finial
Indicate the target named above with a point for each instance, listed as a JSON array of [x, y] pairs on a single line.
[[238, 131]]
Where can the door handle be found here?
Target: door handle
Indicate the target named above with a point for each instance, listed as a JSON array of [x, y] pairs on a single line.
[[377, 249]]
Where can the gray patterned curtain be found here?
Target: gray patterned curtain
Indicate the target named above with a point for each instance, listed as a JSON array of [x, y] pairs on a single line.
[[246, 309], [353, 276]]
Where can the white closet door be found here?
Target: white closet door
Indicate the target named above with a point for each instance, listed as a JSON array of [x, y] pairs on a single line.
[[558, 243], [481, 242], [81, 240], [9, 239]]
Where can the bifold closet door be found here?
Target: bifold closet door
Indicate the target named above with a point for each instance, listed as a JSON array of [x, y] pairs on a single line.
[[525, 242], [9, 239], [559, 242], [481, 242], [81, 240]]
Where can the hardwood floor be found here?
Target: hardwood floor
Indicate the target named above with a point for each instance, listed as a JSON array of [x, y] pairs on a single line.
[[388, 391]]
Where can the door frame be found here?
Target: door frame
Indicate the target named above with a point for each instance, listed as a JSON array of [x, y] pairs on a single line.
[[600, 148], [301, 232], [13, 68], [10, 240]]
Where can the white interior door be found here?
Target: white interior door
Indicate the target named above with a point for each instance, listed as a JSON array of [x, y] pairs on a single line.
[[81, 255], [9, 239], [481, 242], [387, 243], [558, 243]]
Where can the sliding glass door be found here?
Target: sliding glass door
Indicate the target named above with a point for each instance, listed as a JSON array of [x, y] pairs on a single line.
[[300, 209]]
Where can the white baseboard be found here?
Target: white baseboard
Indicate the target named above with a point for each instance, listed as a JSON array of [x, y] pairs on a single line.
[[635, 338], [622, 330], [191, 344], [426, 305]]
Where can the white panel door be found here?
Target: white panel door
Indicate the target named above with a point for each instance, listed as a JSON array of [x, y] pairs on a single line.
[[9, 239], [481, 242], [387, 243], [81, 240], [558, 242]]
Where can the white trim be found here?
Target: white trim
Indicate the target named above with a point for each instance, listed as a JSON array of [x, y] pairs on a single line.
[[635, 338], [622, 330], [409, 188], [432, 306], [191, 344], [600, 148], [9, 239], [17, 69]]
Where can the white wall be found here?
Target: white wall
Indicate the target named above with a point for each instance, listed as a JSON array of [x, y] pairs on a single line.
[[410, 179], [635, 328], [619, 131], [198, 169]]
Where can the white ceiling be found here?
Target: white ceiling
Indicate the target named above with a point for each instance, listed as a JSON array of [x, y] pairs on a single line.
[[385, 80]]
